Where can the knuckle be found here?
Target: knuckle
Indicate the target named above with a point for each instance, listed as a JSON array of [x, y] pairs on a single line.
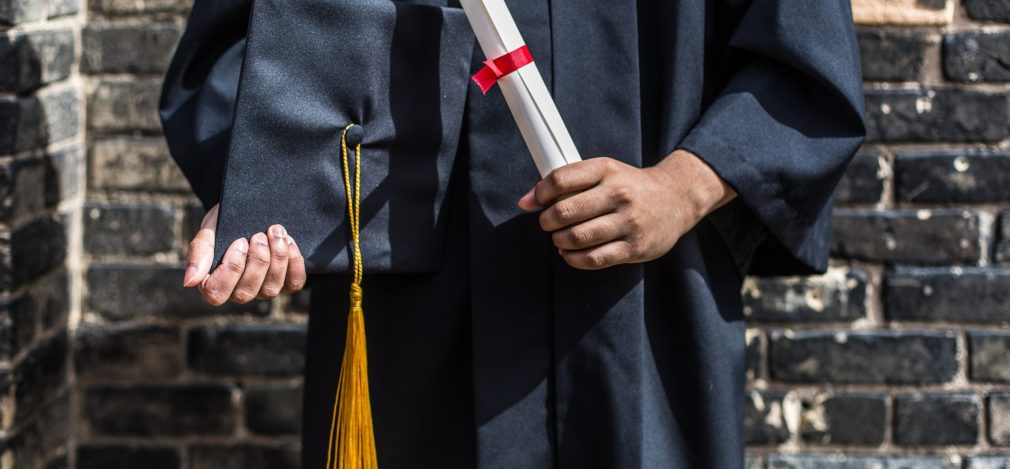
[[280, 254], [597, 261], [214, 297], [565, 212], [196, 244], [261, 258], [234, 267], [623, 194], [581, 238], [270, 291], [241, 297], [557, 178], [296, 284]]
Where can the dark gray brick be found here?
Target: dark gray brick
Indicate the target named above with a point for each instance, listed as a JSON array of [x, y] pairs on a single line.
[[947, 294], [1002, 253], [845, 419], [31, 251], [245, 456], [17, 326], [42, 307], [128, 229], [118, 106], [64, 175], [999, 418], [112, 292], [274, 409], [21, 11], [150, 410], [132, 164], [21, 124], [839, 295], [132, 7], [996, 10], [33, 122], [936, 419], [32, 59], [50, 300], [971, 57], [940, 236], [892, 54], [936, 116], [952, 177], [41, 441], [111, 456], [22, 189], [127, 351], [63, 7], [851, 461], [764, 418], [247, 349], [990, 351], [863, 357], [61, 109], [863, 182], [40, 375], [128, 48], [988, 462]]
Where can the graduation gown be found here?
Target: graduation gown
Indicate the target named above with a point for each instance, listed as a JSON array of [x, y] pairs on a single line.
[[505, 357]]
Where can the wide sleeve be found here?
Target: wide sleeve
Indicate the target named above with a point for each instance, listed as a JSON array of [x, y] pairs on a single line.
[[790, 117], [199, 93]]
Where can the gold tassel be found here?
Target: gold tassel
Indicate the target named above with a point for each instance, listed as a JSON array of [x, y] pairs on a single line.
[[351, 426]]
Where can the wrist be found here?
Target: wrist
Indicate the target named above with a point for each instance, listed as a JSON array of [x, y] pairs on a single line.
[[696, 181]]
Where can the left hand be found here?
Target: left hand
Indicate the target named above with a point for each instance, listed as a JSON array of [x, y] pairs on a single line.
[[602, 212]]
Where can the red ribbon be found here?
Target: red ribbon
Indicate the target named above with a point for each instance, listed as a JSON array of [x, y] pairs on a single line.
[[496, 68]]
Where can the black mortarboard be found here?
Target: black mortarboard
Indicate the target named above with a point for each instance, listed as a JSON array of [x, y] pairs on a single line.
[[398, 72], [348, 116]]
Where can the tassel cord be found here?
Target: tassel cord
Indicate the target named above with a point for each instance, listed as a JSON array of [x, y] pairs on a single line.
[[351, 432]]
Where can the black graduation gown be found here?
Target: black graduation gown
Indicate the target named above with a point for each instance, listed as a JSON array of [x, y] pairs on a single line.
[[508, 358]]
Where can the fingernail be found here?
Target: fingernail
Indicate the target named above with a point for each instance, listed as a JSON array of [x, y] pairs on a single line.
[[188, 277], [261, 239], [242, 245], [277, 231], [561, 252]]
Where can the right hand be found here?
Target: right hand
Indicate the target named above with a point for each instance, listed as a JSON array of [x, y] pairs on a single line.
[[260, 268]]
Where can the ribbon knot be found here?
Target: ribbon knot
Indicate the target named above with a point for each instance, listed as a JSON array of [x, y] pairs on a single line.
[[496, 68]]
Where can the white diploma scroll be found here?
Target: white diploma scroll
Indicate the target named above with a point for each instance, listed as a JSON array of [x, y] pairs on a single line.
[[525, 92]]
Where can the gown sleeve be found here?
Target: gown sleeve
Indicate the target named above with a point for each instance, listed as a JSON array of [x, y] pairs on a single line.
[[199, 93], [784, 127]]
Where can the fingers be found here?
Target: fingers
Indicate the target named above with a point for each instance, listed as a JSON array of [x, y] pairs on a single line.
[[218, 287], [296, 268], [577, 209], [199, 258], [600, 257], [592, 233], [278, 269], [572, 178], [256, 265]]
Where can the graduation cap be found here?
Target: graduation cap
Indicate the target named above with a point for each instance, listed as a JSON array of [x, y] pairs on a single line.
[[345, 131], [398, 73]]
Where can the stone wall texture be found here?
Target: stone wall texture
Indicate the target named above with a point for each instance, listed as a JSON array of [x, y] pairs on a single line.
[[898, 357]]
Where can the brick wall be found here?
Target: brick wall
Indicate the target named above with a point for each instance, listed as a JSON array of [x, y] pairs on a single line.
[[898, 357]]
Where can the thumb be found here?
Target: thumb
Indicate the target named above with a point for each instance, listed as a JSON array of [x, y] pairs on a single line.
[[201, 251]]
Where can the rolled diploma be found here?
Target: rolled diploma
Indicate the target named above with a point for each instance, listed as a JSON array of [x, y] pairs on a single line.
[[525, 92]]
